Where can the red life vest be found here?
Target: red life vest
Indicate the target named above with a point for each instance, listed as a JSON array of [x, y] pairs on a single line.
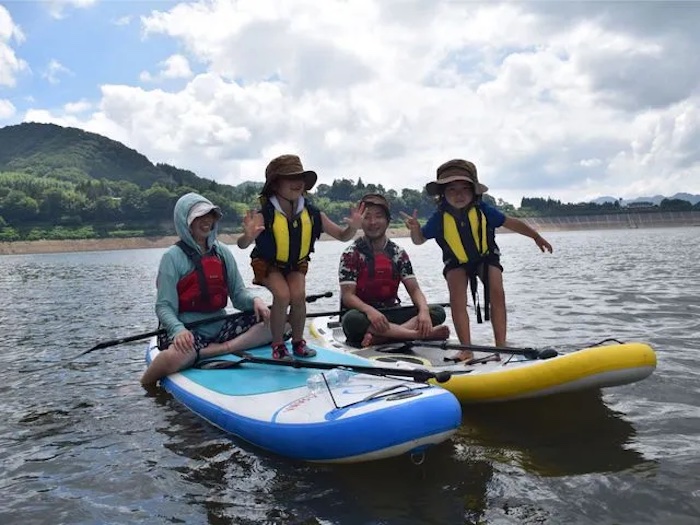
[[378, 280], [205, 288]]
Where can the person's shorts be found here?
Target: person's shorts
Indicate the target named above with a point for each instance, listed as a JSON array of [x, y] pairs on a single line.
[[480, 269], [232, 328], [263, 268]]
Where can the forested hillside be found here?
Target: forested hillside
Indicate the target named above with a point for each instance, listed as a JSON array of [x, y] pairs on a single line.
[[66, 183]]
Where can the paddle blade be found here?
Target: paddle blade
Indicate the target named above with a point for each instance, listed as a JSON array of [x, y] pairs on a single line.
[[443, 377], [548, 353], [314, 298]]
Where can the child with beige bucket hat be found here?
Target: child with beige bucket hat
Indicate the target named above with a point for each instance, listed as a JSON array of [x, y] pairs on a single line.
[[464, 228]]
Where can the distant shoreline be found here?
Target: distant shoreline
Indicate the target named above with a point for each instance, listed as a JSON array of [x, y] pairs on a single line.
[[548, 224], [131, 243]]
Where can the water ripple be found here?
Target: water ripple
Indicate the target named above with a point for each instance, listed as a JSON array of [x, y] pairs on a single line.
[[82, 443]]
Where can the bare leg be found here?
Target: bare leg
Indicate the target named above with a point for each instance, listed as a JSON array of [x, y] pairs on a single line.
[[457, 282], [277, 284], [498, 306], [398, 332], [297, 312], [167, 362], [256, 335]]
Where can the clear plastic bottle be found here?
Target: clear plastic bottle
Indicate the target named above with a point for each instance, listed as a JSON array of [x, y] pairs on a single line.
[[316, 384], [338, 377]]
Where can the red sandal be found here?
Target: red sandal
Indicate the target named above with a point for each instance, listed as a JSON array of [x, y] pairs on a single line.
[[279, 351], [301, 350]]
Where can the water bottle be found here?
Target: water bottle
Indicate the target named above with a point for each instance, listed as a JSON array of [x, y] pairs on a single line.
[[338, 377], [316, 384]]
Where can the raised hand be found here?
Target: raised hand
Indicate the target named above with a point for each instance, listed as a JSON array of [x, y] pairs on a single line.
[[411, 221], [253, 224], [354, 220]]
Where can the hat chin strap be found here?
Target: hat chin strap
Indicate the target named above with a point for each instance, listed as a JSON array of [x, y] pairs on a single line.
[[290, 201]]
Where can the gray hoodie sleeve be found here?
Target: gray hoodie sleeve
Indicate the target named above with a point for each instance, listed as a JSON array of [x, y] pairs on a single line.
[[167, 300], [241, 298]]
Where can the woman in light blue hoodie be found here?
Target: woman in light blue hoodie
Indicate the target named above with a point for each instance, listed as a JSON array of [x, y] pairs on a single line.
[[196, 277]]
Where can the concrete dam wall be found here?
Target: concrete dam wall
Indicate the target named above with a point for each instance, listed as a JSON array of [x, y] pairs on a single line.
[[616, 221]]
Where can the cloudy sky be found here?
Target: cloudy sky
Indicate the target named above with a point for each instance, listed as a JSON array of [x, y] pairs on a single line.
[[550, 99]]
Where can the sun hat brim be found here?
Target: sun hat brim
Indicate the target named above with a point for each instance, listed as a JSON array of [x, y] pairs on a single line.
[[201, 209], [433, 188]]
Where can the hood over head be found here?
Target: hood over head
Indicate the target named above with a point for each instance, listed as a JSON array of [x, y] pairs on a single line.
[[183, 207]]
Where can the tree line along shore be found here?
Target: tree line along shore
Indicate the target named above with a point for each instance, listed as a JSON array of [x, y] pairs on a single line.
[[65, 189], [542, 224]]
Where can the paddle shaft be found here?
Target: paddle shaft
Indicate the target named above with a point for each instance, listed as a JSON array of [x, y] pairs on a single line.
[[530, 353], [223, 317], [420, 375]]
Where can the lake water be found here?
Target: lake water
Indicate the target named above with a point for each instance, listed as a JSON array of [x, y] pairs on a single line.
[[85, 444]]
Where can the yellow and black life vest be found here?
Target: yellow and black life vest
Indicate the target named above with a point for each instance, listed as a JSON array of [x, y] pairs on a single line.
[[288, 241], [467, 241]]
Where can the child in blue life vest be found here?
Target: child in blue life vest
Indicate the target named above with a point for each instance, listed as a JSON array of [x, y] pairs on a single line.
[[196, 278], [464, 228], [284, 231]]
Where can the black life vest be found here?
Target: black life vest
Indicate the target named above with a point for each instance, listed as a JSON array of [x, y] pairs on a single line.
[[205, 288], [378, 280]]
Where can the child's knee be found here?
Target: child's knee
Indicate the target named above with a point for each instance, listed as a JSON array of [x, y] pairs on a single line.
[[297, 296], [281, 296]]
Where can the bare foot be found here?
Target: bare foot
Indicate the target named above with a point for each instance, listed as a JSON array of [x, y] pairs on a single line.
[[439, 333], [464, 355]]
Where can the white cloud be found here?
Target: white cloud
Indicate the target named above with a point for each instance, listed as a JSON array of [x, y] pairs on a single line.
[[7, 109], [175, 66], [57, 8], [10, 64], [123, 20], [8, 29], [568, 101], [53, 70], [77, 107]]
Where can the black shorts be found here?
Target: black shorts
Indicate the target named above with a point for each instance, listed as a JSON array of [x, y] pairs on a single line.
[[494, 260]]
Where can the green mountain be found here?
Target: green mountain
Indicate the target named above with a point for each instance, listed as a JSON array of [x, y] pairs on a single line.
[[67, 183], [71, 154]]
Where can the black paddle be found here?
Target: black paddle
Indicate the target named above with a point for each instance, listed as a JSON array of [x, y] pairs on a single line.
[[418, 375], [137, 337], [530, 353], [387, 309]]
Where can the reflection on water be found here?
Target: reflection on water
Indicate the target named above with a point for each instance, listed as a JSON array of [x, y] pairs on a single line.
[[246, 485], [558, 436]]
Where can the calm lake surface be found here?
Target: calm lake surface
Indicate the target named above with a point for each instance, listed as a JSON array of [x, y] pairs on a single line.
[[85, 444]]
